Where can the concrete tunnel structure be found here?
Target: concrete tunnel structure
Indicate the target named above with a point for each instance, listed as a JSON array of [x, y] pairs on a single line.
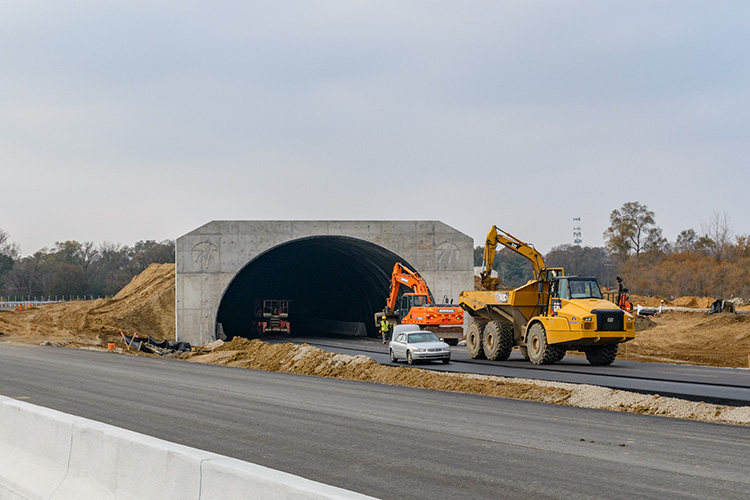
[[336, 274]]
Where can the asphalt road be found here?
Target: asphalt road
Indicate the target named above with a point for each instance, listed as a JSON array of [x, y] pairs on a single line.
[[700, 383], [389, 442]]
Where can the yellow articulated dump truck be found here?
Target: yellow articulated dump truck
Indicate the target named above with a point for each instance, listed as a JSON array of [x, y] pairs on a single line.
[[544, 318]]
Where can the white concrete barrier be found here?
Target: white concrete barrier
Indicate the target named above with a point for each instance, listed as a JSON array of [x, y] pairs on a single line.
[[46, 454]]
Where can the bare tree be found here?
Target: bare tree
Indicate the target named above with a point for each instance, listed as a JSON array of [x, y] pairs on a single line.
[[719, 229], [7, 247]]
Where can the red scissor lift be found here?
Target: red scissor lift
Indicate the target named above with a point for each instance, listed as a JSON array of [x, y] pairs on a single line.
[[271, 317]]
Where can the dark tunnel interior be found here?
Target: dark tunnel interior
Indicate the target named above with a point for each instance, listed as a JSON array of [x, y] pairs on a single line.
[[335, 285]]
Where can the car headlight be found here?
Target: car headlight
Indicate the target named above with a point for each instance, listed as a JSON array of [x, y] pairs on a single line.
[[420, 349]]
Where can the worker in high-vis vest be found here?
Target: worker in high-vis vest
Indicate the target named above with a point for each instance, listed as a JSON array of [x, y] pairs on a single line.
[[384, 328]]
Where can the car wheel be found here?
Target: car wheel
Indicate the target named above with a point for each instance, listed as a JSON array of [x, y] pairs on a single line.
[[446, 361], [394, 359], [409, 358]]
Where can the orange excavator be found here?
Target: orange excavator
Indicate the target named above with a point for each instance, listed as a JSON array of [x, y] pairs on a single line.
[[418, 307]]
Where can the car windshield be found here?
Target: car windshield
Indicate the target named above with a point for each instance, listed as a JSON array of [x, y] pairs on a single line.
[[418, 338], [585, 289]]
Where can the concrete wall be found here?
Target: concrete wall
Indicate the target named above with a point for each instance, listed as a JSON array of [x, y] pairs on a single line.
[[210, 256], [46, 454]]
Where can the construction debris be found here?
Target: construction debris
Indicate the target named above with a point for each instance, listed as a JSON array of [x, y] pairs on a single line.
[[150, 344]]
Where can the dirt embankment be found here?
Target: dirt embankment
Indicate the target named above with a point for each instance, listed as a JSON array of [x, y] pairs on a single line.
[[307, 360], [688, 301], [146, 306], [696, 338]]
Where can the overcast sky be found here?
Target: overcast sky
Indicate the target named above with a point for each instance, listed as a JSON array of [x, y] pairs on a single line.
[[129, 120]]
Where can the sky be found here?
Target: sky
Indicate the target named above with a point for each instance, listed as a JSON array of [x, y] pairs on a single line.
[[123, 121]]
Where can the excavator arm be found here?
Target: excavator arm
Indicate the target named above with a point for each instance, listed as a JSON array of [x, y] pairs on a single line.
[[402, 275], [497, 236]]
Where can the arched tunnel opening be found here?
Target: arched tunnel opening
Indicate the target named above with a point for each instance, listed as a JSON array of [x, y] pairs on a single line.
[[334, 285]]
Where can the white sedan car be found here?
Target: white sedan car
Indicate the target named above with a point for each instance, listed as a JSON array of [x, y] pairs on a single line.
[[418, 345]]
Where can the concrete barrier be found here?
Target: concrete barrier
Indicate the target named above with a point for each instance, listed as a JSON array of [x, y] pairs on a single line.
[[46, 454]]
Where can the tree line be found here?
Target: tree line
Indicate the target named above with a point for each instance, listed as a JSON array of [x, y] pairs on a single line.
[[711, 261], [75, 269]]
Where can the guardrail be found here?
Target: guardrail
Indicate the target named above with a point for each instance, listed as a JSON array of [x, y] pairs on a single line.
[[7, 304], [48, 454], [14, 304]]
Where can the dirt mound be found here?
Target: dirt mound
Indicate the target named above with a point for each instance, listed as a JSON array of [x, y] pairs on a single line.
[[692, 337], [643, 323], [696, 302], [307, 360], [688, 301], [646, 301], [145, 305]]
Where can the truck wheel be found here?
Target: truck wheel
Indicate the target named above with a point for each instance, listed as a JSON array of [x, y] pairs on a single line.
[[540, 352], [497, 341], [474, 339], [558, 353], [602, 355]]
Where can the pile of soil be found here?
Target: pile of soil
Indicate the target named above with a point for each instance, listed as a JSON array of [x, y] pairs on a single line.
[[145, 306], [308, 360], [688, 301], [691, 337]]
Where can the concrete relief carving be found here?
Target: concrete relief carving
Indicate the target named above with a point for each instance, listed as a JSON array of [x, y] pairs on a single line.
[[204, 253], [447, 255]]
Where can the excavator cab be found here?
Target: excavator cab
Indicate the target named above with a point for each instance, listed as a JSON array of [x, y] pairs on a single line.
[[552, 273], [409, 300]]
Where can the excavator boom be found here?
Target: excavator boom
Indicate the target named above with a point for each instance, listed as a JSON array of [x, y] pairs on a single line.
[[497, 236], [402, 275]]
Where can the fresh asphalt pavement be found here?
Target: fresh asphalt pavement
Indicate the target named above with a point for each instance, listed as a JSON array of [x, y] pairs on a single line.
[[385, 441], [701, 383]]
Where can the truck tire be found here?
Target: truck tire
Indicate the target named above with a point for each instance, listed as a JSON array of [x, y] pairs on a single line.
[[558, 353], [540, 352], [474, 336], [497, 341], [601, 355]]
